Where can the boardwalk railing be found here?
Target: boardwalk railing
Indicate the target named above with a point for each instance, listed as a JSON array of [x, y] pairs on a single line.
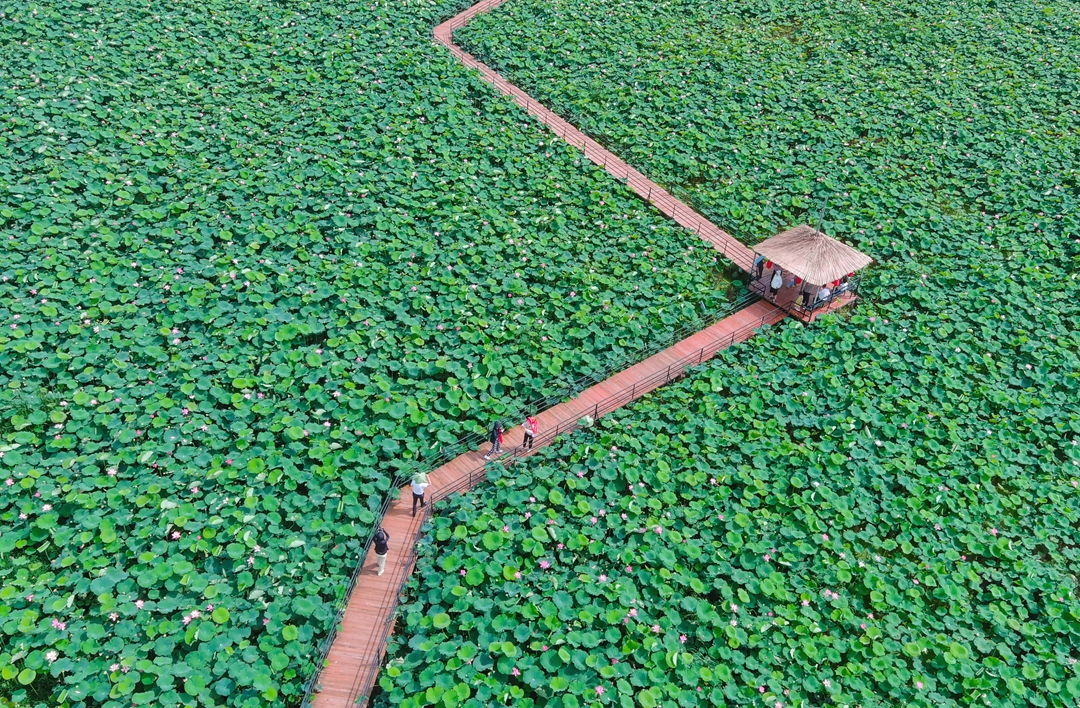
[[664, 200], [473, 440], [365, 682], [725, 244]]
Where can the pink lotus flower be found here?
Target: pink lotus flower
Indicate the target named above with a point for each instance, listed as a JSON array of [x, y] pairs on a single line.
[[544, 564], [919, 685], [57, 624], [515, 672], [656, 628], [463, 573], [603, 578], [599, 690], [517, 575], [682, 638]]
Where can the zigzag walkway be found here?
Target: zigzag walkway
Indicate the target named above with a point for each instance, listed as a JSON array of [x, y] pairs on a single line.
[[357, 652], [722, 241]]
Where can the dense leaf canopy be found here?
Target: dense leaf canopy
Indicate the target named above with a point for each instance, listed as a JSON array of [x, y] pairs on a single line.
[[255, 256], [909, 473]]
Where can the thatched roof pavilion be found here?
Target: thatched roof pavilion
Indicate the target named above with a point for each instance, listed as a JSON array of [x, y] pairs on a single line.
[[811, 255]]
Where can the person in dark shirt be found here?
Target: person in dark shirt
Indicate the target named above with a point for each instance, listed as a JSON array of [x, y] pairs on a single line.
[[381, 548], [496, 439]]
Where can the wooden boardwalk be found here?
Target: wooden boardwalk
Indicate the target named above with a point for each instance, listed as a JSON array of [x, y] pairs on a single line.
[[648, 190], [357, 651]]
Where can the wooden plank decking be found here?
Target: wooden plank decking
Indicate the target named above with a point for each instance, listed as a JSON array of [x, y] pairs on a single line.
[[663, 200], [357, 651], [360, 643]]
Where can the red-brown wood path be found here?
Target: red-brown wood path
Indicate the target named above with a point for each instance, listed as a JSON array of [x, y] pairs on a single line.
[[357, 651], [722, 241]]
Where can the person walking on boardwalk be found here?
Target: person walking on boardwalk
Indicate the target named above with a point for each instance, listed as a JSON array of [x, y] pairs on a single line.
[[419, 484], [759, 266], [776, 283], [381, 548], [496, 439], [531, 429]]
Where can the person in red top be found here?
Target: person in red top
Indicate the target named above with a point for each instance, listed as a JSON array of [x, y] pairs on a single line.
[[531, 429]]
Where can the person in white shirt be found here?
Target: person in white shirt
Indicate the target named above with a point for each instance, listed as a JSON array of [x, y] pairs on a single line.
[[419, 484], [824, 293], [776, 283]]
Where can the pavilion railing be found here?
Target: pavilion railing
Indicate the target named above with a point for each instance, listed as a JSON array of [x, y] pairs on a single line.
[[814, 305]]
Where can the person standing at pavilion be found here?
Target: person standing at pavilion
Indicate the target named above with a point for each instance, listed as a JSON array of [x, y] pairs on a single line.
[[776, 283]]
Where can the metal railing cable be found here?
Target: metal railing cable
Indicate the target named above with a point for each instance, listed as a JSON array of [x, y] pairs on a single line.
[[473, 440], [362, 687]]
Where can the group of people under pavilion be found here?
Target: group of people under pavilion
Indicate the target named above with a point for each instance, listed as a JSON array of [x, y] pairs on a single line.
[[806, 272]]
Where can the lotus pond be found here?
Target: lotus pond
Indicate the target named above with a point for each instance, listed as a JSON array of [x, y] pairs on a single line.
[[893, 519], [255, 257], [719, 544]]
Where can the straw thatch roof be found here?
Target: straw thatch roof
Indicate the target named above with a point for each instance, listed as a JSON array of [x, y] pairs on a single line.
[[811, 255]]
